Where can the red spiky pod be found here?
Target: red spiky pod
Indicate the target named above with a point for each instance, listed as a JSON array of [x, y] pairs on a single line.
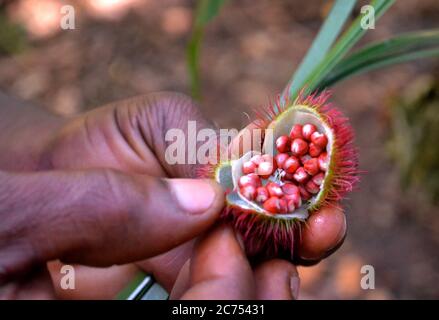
[[313, 163]]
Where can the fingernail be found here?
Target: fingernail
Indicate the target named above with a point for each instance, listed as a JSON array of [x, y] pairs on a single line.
[[295, 286], [194, 196]]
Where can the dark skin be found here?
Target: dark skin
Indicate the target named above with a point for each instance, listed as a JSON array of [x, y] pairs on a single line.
[[95, 190]]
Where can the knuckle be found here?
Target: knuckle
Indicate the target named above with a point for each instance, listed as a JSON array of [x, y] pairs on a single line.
[[116, 189], [124, 204], [150, 116], [167, 110], [17, 249]]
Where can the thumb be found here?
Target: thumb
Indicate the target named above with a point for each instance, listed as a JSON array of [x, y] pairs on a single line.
[[99, 217]]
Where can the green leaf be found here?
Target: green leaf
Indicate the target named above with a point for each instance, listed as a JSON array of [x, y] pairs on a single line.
[[192, 58], [350, 37], [327, 35], [12, 36], [205, 12], [402, 48]]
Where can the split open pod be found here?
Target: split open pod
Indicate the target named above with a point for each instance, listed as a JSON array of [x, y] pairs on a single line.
[[306, 162]]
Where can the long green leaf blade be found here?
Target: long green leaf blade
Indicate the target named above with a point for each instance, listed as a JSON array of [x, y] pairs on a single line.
[[399, 49], [205, 12], [326, 37], [341, 48]]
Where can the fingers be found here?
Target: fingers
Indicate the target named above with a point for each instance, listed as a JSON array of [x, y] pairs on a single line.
[[133, 135], [219, 268], [99, 217], [169, 115], [277, 280], [323, 233], [166, 267], [182, 283]]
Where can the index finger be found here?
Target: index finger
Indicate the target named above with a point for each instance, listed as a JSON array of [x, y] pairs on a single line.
[[219, 268]]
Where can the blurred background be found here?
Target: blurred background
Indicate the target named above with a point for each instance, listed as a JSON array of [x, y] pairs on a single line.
[[121, 48]]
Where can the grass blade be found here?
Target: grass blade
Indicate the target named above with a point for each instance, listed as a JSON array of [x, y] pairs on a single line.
[[399, 49], [205, 12], [327, 35], [341, 48]]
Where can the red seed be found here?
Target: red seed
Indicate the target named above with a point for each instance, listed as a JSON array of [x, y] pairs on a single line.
[[262, 194], [299, 147], [272, 205], [257, 179], [267, 158], [312, 166], [318, 178], [248, 192], [296, 132], [248, 167], [257, 159], [282, 144], [265, 169], [295, 198], [288, 176], [304, 194], [314, 150], [301, 176], [308, 130], [319, 139], [290, 188], [290, 205], [280, 159], [253, 176], [283, 205], [245, 181], [251, 179], [291, 164], [323, 161], [274, 190], [311, 187], [305, 158]]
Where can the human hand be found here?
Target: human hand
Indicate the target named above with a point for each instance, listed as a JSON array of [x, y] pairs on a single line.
[[97, 217], [219, 269], [129, 136]]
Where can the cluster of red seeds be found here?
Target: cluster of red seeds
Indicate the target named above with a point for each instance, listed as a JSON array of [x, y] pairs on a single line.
[[298, 170]]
